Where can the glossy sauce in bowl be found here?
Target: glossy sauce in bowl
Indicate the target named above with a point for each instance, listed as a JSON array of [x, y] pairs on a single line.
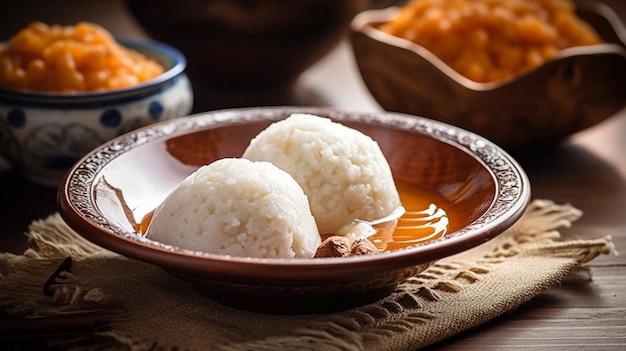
[[427, 217]]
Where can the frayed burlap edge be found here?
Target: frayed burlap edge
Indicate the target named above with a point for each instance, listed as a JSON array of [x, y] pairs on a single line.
[[456, 294]]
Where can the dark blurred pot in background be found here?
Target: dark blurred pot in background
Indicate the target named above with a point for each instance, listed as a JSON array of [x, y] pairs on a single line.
[[241, 51]]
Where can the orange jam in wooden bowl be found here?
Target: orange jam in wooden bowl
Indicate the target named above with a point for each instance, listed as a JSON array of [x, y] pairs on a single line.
[[491, 40]]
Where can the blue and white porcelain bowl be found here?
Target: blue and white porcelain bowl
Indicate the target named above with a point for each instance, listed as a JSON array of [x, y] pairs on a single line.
[[44, 134]]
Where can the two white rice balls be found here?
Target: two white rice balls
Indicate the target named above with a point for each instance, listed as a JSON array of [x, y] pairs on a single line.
[[300, 177]]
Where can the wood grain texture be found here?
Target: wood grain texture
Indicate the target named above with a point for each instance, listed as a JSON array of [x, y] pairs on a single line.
[[588, 171]]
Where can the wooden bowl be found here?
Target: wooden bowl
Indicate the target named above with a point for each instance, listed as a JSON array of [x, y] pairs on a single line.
[[580, 88], [486, 187]]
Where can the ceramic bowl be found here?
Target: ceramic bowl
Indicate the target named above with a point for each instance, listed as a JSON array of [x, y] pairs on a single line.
[[247, 52], [486, 187], [43, 134], [579, 88]]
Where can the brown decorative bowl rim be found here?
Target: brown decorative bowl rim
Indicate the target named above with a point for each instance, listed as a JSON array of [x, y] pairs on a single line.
[[77, 206]]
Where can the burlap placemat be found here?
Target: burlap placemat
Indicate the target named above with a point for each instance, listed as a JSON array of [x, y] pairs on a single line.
[[152, 310]]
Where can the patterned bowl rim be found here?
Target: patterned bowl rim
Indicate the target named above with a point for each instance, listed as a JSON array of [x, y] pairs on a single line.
[[78, 207]]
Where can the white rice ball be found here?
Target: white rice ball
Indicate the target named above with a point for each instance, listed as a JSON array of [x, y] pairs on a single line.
[[240, 208], [343, 171]]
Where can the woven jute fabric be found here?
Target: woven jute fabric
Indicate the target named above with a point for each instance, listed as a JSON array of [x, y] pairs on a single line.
[[153, 310]]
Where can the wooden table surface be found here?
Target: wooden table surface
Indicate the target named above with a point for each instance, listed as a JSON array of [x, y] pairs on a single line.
[[588, 171]]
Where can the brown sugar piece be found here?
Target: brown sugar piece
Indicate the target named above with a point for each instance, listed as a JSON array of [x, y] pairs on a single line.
[[363, 247], [339, 246], [334, 246]]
